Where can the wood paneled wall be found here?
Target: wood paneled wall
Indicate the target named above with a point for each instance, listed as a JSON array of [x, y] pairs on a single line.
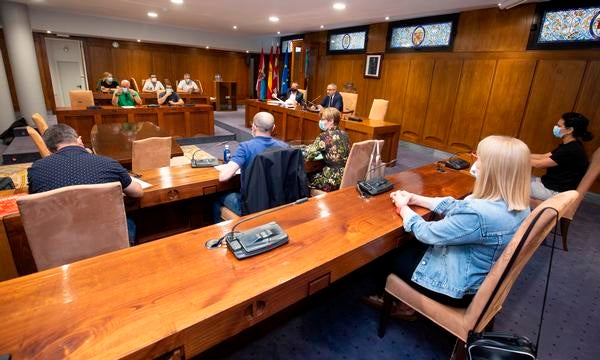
[[138, 60], [489, 83], [8, 69]]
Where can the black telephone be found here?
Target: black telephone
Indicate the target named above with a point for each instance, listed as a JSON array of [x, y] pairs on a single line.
[[256, 241], [375, 186], [204, 162], [457, 163]]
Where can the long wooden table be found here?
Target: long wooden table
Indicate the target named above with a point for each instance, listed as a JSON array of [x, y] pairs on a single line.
[[101, 98], [303, 126], [184, 121], [176, 295]]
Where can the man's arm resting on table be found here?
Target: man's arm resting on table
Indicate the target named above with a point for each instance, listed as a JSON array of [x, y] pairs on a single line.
[[228, 170], [134, 190]]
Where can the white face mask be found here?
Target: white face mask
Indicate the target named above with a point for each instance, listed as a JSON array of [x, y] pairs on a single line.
[[475, 169], [125, 90], [109, 79], [187, 81], [153, 80]]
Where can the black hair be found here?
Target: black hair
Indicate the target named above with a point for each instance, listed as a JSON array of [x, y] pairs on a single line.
[[579, 123], [58, 134]]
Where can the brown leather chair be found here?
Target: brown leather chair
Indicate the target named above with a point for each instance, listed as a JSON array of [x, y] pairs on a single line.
[[40, 123], [200, 88], [459, 321], [349, 100], [304, 93], [74, 223], [133, 84], [38, 141], [356, 165], [378, 109], [151, 153]]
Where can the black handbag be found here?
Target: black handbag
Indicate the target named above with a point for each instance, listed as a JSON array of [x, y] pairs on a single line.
[[501, 346]]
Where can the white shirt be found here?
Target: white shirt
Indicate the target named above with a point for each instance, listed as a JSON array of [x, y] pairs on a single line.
[[186, 87], [149, 86], [292, 95]]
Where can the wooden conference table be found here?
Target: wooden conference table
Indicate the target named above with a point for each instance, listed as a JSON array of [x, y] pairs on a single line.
[[184, 121], [303, 126], [176, 295], [101, 98], [115, 140]]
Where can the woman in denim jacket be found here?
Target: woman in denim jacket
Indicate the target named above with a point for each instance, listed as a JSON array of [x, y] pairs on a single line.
[[453, 255]]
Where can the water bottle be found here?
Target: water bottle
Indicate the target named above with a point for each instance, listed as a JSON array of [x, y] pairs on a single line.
[[226, 154]]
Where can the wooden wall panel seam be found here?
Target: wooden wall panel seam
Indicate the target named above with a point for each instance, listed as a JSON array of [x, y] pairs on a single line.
[[535, 69], [487, 103]]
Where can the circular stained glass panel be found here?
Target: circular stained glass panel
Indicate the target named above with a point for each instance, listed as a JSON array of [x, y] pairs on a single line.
[[346, 41], [595, 26], [418, 36]]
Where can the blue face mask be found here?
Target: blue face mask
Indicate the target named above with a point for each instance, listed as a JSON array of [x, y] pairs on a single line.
[[556, 132], [125, 90], [323, 124]]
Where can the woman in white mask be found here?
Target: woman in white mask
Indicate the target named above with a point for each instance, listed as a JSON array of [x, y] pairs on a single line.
[[333, 145], [566, 165]]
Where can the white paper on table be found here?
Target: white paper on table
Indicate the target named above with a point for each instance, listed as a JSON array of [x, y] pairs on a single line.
[[220, 167], [142, 183], [128, 107]]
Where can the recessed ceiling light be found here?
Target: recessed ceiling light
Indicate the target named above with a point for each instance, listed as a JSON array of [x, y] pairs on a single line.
[[279, 32], [178, 2], [208, 47], [152, 14], [322, 26], [387, 18], [247, 51], [139, 40], [273, 19], [339, 6], [48, 32], [234, 27]]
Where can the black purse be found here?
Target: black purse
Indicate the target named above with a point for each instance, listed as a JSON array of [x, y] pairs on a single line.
[[505, 346]]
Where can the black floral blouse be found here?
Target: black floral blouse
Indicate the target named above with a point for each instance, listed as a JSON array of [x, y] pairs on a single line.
[[333, 144]]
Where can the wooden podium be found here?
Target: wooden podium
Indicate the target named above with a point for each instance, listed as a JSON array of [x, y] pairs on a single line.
[[225, 95]]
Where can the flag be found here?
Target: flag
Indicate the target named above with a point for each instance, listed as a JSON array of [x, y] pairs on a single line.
[[285, 74], [261, 88], [276, 72], [270, 76]]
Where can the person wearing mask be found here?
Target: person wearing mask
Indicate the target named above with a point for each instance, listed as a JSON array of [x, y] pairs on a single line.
[[187, 85], [125, 96], [263, 125], [107, 83], [566, 165], [169, 96], [333, 145], [333, 98], [293, 96], [449, 258], [153, 85], [71, 164]]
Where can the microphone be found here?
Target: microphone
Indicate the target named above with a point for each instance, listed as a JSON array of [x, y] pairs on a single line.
[[380, 166], [213, 243], [374, 186]]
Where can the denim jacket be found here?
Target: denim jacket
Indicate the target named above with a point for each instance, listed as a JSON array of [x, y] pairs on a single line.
[[481, 228]]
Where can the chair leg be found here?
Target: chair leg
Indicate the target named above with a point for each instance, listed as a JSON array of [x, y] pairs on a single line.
[[388, 301], [564, 230], [458, 353]]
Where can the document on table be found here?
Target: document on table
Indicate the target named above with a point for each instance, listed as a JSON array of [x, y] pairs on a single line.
[[220, 167], [127, 107], [143, 184]]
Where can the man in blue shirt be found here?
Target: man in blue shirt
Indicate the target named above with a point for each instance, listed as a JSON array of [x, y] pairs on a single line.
[[263, 125], [71, 164]]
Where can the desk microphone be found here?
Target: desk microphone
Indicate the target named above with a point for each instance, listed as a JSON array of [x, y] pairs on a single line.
[[213, 243], [375, 185]]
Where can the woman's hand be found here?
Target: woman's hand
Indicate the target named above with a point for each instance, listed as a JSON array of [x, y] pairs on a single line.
[[401, 198]]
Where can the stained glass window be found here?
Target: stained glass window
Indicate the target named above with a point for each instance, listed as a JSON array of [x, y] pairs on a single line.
[[430, 35], [570, 25], [347, 41]]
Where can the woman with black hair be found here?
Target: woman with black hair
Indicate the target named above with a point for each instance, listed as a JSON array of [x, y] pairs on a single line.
[[566, 165]]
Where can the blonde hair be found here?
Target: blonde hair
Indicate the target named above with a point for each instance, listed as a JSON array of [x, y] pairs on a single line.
[[504, 171], [331, 113]]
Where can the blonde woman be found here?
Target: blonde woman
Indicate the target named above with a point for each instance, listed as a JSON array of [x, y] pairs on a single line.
[[333, 144], [453, 255]]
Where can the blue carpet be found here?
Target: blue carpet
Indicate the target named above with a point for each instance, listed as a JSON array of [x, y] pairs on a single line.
[[334, 324]]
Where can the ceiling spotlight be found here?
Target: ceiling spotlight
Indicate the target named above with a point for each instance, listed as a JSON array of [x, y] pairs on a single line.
[[178, 2], [273, 19], [152, 14], [139, 40], [247, 51], [208, 47], [387, 18], [234, 27], [322, 26], [339, 6], [279, 33], [48, 32]]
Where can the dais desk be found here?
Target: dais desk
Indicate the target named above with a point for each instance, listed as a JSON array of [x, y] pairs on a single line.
[[303, 126], [176, 295], [101, 98], [183, 121]]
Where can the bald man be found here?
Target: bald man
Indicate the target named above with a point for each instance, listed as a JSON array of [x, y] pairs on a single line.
[[333, 98], [263, 125], [124, 96]]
